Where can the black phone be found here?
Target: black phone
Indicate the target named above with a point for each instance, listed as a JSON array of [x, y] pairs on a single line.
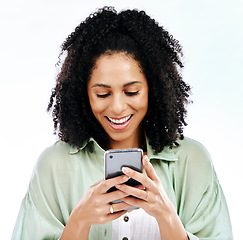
[[117, 158]]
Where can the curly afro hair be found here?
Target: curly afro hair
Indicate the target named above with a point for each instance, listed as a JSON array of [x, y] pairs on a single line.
[[134, 33]]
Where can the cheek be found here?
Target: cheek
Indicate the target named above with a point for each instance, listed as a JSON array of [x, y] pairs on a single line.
[[92, 103], [144, 107], [97, 106], [142, 102]]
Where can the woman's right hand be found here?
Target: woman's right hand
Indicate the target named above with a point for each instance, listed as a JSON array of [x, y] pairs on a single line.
[[94, 208]]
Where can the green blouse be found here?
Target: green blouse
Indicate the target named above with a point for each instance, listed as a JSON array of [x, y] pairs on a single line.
[[63, 174]]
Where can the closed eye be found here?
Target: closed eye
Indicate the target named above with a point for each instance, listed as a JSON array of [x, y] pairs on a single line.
[[132, 93], [103, 95]]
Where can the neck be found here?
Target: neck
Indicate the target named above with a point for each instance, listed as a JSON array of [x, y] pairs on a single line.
[[137, 141]]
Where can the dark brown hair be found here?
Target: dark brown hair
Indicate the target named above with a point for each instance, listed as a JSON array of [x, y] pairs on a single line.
[[159, 54]]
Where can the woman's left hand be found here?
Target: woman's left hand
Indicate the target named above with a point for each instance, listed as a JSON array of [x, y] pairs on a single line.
[[154, 200], [152, 197]]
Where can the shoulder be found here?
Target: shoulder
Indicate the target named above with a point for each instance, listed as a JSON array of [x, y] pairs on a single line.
[[54, 158], [191, 145], [191, 148], [59, 148], [194, 155]]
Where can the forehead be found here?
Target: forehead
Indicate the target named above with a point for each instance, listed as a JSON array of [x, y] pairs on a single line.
[[116, 68]]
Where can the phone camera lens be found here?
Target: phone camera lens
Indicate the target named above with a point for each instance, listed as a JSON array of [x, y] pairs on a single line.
[[111, 156]]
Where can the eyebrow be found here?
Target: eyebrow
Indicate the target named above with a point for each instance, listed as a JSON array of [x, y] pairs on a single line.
[[131, 83], [107, 86], [101, 85]]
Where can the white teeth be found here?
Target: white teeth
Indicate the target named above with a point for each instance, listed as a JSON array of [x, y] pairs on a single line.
[[120, 121]]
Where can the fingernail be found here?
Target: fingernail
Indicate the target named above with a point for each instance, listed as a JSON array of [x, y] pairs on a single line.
[[146, 159], [125, 169], [119, 185]]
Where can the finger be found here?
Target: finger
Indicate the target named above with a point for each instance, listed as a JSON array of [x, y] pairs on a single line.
[[97, 183], [115, 215], [135, 192], [112, 196], [143, 179], [149, 169], [132, 201], [117, 195], [141, 187], [121, 206], [105, 185]]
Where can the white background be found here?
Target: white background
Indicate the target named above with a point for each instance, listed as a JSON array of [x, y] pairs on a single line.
[[32, 31]]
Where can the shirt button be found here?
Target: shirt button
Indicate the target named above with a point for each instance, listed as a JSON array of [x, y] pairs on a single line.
[[126, 218], [125, 238]]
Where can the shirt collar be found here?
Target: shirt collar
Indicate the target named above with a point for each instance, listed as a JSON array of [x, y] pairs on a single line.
[[167, 154], [74, 149]]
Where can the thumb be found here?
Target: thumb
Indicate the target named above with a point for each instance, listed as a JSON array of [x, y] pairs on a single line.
[[149, 168]]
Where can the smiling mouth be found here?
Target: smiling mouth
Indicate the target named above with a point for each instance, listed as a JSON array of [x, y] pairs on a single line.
[[119, 121]]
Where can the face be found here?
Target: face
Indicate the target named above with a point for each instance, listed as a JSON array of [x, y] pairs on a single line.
[[118, 96]]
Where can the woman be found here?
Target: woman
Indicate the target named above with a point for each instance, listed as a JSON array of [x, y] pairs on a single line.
[[120, 87]]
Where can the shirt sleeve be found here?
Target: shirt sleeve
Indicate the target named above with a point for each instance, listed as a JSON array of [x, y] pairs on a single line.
[[40, 216], [206, 214], [31, 225], [211, 218]]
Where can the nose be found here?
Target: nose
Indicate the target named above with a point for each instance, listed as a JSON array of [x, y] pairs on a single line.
[[117, 104]]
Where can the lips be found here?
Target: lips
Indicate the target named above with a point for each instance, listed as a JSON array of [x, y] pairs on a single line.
[[119, 123]]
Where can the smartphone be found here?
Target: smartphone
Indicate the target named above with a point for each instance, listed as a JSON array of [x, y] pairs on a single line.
[[118, 158]]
